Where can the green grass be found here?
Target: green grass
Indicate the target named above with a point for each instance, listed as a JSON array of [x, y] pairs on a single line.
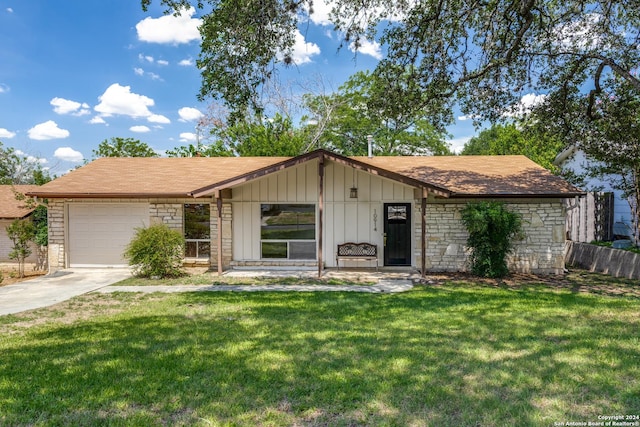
[[452, 354]]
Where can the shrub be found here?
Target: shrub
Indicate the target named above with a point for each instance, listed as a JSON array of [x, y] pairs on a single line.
[[492, 229], [156, 251]]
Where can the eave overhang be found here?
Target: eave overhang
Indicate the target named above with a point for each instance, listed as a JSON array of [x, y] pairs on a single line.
[[70, 195]]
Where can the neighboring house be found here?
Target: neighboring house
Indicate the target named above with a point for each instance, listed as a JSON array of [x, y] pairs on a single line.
[[10, 210], [293, 211], [581, 222]]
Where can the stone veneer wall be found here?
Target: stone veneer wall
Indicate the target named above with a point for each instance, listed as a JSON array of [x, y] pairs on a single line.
[[55, 223], [167, 211], [541, 252]]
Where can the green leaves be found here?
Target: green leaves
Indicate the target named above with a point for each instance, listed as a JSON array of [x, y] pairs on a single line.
[[21, 232], [356, 111], [124, 147], [509, 139], [492, 229], [19, 169], [483, 55], [156, 251]]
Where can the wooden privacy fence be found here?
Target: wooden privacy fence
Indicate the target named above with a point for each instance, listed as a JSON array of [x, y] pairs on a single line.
[[590, 217]]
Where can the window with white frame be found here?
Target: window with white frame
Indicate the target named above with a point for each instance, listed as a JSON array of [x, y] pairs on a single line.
[[288, 231], [197, 230]]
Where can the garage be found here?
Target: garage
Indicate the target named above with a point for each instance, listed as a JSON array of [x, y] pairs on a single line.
[[99, 232]]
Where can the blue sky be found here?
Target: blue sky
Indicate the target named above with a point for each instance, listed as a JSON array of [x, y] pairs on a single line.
[[75, 72]]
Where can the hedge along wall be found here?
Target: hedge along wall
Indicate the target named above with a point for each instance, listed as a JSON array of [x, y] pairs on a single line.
[[616, 262]]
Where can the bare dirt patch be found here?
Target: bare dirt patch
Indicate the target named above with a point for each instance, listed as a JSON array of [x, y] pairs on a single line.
[[9, 273], [80, 308]]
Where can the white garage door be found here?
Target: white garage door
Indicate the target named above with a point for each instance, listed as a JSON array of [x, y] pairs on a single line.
[[99, 233]]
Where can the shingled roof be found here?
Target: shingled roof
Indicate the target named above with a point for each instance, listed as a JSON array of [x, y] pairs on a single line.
[[447, 176], [10, 208]]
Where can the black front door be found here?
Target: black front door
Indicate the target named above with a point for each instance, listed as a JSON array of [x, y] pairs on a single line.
[[397, 234]]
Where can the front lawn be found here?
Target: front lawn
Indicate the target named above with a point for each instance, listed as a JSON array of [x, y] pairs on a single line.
[[455, 353]]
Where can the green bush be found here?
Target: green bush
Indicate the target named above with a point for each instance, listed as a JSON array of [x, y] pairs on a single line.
[[492, 229], [156, 251]]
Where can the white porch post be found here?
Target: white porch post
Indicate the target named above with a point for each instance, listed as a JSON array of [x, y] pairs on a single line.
[[320, 211]]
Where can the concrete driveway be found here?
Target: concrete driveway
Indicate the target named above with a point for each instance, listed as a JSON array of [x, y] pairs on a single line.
[[60, 286]]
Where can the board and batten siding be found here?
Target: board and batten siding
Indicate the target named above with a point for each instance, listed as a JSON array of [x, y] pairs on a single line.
[[346, 219]]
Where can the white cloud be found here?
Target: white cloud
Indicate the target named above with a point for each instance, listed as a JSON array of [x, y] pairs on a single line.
[[188, 114], [4, 133], [140, 72], [303, 51], [471, 117], [4, 88], [97, 120], [582, 34], [366, 47], [119, 100], [66, 106], [186, 62], [170, 29], [321, 11], [187, 137], [47, 130], [139, 129], [32, 159], [457, 144], [158, 118], [68, 154], [163, 62], [527, 102]]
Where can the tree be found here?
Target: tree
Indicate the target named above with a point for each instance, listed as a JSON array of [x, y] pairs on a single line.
[[20, 169], [255, 136], [492, 231], [273, 137], [123, 147], [21, 232], [484, 55], [353, 113], [605, 125], [40, 223], [509, 139]]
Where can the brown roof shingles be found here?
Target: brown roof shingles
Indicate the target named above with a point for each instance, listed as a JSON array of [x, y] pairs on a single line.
[[10, 208], [477, 176], [150, 176]]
